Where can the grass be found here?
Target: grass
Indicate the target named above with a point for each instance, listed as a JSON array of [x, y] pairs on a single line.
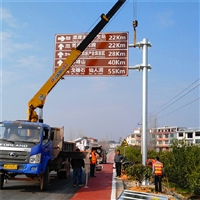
[[182, 191]]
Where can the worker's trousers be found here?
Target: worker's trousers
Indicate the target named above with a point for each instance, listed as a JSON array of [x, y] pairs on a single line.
[[77, 174], [158, 183], [118, 168], [92, 170]]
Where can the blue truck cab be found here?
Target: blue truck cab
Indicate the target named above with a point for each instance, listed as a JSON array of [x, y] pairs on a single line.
[[25, 148]]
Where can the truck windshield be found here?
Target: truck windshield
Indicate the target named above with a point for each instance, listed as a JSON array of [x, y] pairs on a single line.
[[19, 132]]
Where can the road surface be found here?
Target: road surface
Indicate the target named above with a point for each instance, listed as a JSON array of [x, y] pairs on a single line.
[[22, 190]]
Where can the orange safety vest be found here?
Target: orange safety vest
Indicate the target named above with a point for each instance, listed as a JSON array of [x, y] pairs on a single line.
[[153, 161], [93, 158], [158, 168], [150, 162]]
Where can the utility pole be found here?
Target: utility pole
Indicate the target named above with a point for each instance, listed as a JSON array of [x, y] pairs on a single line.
[[144, 44]]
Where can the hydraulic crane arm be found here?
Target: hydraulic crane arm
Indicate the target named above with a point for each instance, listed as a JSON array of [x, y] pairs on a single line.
[[39, 99]]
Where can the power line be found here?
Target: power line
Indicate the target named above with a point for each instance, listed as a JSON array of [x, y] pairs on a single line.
[[177, 99], [176, 95], [174, 102], [179, 108], [134, 10]]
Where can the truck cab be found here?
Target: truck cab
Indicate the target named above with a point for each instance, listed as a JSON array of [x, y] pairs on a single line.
[[34, 149], [23, 145], [24, 142]]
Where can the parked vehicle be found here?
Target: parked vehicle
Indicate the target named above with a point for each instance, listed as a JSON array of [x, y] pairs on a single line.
[[104, 156], [34, 150]]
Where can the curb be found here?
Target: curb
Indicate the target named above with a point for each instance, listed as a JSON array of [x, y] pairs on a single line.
[[119, 187]]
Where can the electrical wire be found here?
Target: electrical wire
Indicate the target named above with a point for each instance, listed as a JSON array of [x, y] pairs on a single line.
[[180, 107], [134, 10], [177, 95], [177, 99], [174, 102]]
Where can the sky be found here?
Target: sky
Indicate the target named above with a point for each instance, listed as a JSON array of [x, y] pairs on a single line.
[[102, 107]]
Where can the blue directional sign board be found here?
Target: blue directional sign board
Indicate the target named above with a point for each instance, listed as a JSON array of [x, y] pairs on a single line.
[[129, 194]]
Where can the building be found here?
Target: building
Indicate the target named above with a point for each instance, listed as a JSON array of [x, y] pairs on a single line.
[[93, 142], [161, 138], [164, 136], [190, 135], [134, 139], [82, 143], [85, 143], [113, 144]]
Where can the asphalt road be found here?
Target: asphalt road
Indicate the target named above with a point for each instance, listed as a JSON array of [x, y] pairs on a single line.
[[61, 189]]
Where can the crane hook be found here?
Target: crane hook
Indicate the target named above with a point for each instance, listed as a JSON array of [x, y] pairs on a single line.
[[135, 24]]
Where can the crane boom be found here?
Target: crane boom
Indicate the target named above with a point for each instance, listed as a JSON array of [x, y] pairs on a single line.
[[39, 98]]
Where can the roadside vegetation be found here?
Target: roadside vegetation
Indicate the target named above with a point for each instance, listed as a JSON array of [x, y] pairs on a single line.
[[181, 166]]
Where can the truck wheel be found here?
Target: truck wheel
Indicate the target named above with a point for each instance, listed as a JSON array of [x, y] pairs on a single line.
[[1, 181], [44, 182], [64, 174], [59, 174]]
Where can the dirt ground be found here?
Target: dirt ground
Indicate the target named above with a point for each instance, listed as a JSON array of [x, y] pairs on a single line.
[[135, 186]]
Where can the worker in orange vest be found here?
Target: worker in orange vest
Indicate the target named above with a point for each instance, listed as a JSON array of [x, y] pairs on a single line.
[[158, 171], [150, 162], [93, 162]]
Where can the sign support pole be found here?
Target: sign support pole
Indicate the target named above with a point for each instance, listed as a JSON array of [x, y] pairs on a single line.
[[144, 67], [87, 169]]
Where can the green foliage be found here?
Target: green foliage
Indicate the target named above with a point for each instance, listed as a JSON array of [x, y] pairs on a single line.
[[152, 154], [194, 181], [131, 154], [181, 165], [138, 172]]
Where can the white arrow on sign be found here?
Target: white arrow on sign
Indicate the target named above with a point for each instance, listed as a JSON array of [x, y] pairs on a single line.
[[62, 38], [60, 54], [60, 46], [59, 62]]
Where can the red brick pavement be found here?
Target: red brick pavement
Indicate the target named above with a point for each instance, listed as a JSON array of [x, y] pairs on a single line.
[[99, 187]]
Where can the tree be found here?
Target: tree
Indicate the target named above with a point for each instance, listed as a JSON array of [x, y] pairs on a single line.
[[151, 139], [81, 133], [71, 134], [104, 143]]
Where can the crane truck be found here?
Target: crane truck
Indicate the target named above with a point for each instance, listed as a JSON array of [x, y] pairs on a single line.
[[31, 147]]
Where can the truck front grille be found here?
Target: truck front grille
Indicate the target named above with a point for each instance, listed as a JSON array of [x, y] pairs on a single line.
[[14, 156]]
